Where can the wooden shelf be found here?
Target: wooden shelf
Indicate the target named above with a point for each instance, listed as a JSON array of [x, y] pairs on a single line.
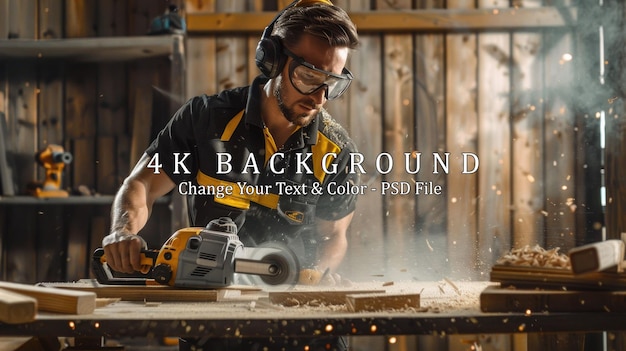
[[97, 49], [72, 200], [437, 20]]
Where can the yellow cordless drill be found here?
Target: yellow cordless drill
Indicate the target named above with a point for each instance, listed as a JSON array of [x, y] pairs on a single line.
[[53, 159]]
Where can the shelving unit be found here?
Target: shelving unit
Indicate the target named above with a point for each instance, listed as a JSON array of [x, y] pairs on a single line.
[[61, 201], [100, 49], [47, 239]]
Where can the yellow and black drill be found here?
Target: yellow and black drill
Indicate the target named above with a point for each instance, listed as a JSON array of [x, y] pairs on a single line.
[[53, 158]]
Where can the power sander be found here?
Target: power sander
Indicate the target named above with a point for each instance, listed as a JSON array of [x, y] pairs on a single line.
[[53, 159], [209, 257]]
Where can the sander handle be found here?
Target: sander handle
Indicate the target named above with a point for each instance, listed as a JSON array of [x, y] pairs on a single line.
[[104, 275]]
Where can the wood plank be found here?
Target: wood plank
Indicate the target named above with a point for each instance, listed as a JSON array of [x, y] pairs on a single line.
[[430, 97], [365, 128], [80, 18], [108, 49], [564, 279], [145, 293], [398, 138], [141, 119], [496, 299], [382, 302], [112, 104], [461, 137], [56, 300], [123, 143], [7, 185], [3, 240], [200, 60], [78, 254], [83, 166], [112, 108], [112, 18], [80, 124], [22, 20], [4, 19], [560, 141], [527, 131], [494, 105], [20, 242], [141, 13], [16, 308], [303, 297], [22, 121], [51, 244], [231, 52], [200, 55], [107, 181], [442, 20], [50, 113], [50, 17]]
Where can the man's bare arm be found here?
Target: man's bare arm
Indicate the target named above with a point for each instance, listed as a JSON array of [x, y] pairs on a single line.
[[129, 214], [334, 242]]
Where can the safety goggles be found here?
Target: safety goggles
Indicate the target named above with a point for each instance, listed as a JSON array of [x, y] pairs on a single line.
[[307, 79]]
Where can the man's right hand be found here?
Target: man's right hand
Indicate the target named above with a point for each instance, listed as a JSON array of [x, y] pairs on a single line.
[[123, 251]]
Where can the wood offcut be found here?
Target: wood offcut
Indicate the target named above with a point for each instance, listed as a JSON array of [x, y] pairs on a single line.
[[329, 297], [382, 302], [16, 308], [56, 300]]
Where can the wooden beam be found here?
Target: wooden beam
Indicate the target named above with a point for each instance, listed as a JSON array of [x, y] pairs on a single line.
[[330, 297], [382, 302], [16, 308], [152, 293], [102, 49], [56, 300], [404, 21]]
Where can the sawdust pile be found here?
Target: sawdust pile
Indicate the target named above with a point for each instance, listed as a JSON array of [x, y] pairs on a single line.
[[535, 257]]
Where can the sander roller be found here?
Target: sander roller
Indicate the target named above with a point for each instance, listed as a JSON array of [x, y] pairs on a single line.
[[207, 257]]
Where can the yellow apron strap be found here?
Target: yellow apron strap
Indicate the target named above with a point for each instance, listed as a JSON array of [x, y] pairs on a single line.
[[238, 199], [231, 126]]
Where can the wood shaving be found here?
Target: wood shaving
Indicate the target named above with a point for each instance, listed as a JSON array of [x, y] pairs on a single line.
[[535, 257]]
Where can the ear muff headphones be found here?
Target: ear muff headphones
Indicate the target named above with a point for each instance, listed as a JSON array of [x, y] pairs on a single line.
[[269, 56]]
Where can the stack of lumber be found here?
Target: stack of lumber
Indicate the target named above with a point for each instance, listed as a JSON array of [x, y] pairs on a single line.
[[536, 289], [19, 303]]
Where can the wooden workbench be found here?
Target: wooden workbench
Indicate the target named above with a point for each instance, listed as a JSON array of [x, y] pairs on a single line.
[[445, 309]]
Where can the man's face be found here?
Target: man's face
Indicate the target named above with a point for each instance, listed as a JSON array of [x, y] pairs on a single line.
[[299, 108]]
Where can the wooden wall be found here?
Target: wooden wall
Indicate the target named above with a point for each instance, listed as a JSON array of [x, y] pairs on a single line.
[[512, 97], [101, 112], [509, 96]]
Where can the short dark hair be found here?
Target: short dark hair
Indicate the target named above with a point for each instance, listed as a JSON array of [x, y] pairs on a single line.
[[330, 23]]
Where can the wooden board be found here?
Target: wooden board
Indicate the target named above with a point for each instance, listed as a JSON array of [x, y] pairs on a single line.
[[556, 278], [496, 299], [330, 297], [382, 302], [16, 308], [7, 187], [148, 293], [56, 300]]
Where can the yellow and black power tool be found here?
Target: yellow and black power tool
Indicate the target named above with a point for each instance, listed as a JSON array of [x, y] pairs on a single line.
[[53, 159], [209, 257]]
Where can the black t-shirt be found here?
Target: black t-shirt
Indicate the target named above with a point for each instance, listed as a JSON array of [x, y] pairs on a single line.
[[220, 141]]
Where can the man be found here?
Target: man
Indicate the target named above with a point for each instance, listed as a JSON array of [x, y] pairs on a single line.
[[274, 135]]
